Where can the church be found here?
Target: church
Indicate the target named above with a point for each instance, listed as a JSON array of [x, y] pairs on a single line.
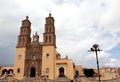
[[35, 59]]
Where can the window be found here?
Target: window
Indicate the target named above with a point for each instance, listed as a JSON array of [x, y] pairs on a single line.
[[23, 39], [18, 70], [34, 57], [51, 21], [47, 55], [19, 40], [49, 38], [47, 70], [45, 38], [22, 42], [19, 57], [46, 29], [49, 29]]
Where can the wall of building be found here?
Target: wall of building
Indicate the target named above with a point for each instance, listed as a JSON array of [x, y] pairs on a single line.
[[79, 69], [67, 64], [6, 70], [48, 61], [108, 73], [118, 70], [19, 63]]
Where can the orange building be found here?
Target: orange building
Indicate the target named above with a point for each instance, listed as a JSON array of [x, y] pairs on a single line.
[[118, 70], [108, 73], [6, 70]]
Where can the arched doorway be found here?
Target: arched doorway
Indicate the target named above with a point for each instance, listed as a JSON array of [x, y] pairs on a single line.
[[5, 71], [10, 71], [61, 72], [32, 72]]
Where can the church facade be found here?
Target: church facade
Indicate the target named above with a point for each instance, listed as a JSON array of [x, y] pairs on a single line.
[[35, 59]]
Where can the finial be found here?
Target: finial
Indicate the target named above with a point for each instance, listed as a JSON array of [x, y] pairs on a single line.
[[36, 33], [66, 57], [49, 14], [27, 17]]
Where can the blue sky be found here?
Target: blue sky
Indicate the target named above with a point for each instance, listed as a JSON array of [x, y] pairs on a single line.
[[79, 24], [115, 52]]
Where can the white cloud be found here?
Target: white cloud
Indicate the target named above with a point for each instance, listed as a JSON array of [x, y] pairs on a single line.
[[79, 24], [89, 59], [113, 63]]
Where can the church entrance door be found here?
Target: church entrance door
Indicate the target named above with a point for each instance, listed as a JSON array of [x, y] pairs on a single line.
[[61, 72], [32, 72]]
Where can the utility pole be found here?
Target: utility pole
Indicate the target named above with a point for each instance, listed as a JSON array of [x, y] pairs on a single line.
[[95, 48]]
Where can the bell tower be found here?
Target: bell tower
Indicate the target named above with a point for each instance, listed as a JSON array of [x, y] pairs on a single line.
[[49, 48], [25, 32], [49, 37], [23, 40]]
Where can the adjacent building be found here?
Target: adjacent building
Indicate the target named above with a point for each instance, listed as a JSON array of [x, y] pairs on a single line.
[[109, 73], [6, 70]]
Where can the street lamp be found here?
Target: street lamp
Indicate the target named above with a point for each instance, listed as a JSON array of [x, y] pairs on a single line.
[[95, 48]]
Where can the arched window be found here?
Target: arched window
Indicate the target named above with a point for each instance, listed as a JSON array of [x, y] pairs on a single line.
[[51, 21], [50, 29], [18, 70], [47, 70], [49, 38], [19, 57], [46, 29], [47, 55], [34, 57], [46, 38], [19, 40], [23, 41]]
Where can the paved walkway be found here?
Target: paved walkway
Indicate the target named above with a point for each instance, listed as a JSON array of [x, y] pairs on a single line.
[[84, 79]]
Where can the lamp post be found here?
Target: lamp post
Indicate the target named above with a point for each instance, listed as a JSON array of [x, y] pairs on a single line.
[[95, 48]]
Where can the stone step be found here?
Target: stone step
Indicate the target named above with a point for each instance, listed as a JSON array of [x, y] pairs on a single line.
[[62, 79]]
